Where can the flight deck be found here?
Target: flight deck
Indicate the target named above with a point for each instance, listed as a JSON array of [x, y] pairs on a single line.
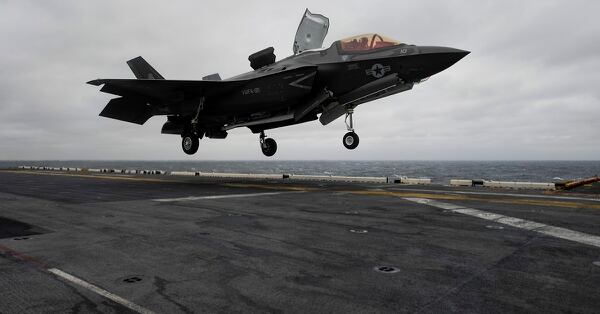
[[84, 242]]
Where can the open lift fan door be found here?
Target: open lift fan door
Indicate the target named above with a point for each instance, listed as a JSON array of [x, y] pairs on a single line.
[[311, 32]]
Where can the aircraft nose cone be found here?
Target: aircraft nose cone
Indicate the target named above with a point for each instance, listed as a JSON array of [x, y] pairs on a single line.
[[438, 59], [455, 55]]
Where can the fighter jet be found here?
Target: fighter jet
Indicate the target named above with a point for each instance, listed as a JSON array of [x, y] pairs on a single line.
[[314, 83]]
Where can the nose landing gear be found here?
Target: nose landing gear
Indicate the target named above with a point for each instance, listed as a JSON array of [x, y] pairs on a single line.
[[350, 139], [267, 145], [190, 143]]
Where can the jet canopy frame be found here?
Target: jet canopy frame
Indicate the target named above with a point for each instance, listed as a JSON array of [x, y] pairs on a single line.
[[366, 43]]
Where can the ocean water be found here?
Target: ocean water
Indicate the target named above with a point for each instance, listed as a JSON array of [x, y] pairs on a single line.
[[438, 171]]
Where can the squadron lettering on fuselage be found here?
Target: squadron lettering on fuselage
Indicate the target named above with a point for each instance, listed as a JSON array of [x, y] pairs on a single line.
[[251, 91], [378, 70]]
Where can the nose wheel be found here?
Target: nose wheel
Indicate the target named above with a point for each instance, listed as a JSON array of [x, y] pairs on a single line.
[[190, 143], [350, 139], [267, 145]]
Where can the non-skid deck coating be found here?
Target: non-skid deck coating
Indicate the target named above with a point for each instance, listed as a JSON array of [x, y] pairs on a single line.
[[162, 244]]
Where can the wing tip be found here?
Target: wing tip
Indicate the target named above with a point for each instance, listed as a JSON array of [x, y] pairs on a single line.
[[96, 82]]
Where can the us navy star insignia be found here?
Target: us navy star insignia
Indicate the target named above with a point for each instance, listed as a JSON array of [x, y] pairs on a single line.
[[378, 70]]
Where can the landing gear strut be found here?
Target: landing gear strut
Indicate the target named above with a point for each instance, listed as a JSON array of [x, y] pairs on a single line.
[[189, 139], [267, 145], [350, 139]]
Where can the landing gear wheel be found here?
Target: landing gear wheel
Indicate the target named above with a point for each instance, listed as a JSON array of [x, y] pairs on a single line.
[[350, 140], [190, 143], [268, 146]]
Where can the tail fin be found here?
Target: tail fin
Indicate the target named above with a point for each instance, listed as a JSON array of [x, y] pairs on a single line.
[[142, 70]]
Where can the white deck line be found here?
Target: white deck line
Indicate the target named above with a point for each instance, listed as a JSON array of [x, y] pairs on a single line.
[[213, 197], [557, 232], [100, 291]]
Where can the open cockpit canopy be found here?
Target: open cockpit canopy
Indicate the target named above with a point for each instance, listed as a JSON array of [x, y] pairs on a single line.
[[311, 32], [366, 42]]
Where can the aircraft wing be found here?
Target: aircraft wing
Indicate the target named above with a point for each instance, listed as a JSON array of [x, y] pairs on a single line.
[[164, 89], [142, 98]]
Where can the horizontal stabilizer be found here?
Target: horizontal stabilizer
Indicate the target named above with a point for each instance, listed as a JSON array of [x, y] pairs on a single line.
[[143, 70], [127, 109]]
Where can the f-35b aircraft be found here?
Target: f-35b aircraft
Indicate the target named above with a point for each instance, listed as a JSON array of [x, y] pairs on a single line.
[[314, 83]]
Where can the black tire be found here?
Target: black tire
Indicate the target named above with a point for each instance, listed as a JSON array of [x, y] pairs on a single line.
[[350, 140], [269, 147], [190, 143]]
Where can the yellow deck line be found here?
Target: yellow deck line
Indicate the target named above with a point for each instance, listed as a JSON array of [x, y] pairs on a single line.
[[104, 176], [511, 200]]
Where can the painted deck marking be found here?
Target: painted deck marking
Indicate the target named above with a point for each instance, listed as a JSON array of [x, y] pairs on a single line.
[[558, 197], [456, 197], [100, 291], [213, 197], [557, 232]]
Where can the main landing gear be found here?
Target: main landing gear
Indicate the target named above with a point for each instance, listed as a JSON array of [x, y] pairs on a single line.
[[267, 145], [189, 139], [350, 139], [190, 143]]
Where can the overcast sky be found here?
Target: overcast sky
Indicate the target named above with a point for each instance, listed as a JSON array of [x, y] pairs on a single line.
[[529, 89]]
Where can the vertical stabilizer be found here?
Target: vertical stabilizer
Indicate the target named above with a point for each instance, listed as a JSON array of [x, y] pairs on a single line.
[[143, 70]]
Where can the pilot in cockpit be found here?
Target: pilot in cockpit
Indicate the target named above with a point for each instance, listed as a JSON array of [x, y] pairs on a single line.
[[364, 43]]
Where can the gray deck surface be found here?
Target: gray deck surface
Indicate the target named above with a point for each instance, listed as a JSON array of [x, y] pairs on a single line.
[[292, 251]]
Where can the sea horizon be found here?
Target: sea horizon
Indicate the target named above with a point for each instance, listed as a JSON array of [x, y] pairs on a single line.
[[440, 171]]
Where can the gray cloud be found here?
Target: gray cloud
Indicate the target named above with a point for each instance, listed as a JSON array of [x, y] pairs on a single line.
[[527, 91]]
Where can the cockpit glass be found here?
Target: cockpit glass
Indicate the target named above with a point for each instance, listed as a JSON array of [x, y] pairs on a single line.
[[366, 42]]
